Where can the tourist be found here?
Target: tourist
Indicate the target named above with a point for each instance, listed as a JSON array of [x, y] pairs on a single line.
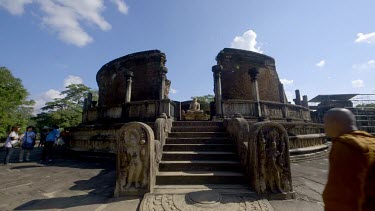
[[10, 142], [43, 136], [52, 136], [351, 178], [27, 144], [65, 136]]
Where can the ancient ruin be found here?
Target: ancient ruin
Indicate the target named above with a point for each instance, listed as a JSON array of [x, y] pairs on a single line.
[[246, 142]]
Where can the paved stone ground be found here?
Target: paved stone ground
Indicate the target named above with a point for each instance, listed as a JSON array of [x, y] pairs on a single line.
[[88, 184]]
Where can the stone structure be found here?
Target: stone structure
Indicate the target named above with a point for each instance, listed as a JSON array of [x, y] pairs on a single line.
[[264, 153], [135, 159], [133, 87], [247, 83], [250, 142]]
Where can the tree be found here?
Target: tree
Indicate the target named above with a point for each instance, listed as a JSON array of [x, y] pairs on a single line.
[[15, 109], [65, 111], [369, 105], [204, 101]]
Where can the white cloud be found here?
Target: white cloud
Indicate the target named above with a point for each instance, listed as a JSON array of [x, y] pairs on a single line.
[[365, 66], [246, 42], [322, 63], [358, 83], [72, 79], [121, 6], [66, 17], [44, 97], [286, 82], [14, 7], [173, 91], [365, 38]]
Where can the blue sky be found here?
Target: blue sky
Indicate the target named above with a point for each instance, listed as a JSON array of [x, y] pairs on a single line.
[[320, 47]]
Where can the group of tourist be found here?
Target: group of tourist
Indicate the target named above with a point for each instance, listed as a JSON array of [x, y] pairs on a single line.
[[27, 141]]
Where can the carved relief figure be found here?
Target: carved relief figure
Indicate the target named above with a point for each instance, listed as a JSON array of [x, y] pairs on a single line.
[[134, 160], [274, 170]]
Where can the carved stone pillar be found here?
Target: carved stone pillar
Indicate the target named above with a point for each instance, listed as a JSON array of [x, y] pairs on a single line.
[[253, 72], [305, 102], [284, 100], [163, 72], [297, 101], [129, 76], [217, 70]]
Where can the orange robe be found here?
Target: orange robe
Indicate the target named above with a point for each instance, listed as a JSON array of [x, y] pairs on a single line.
[[351, 179]]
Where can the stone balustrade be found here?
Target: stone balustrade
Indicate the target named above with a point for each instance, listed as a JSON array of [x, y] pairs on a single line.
[[269, 110]]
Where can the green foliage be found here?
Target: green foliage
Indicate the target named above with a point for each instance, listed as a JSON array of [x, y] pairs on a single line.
[[14, 108], [65, 111], [204, 101], [369, 105]]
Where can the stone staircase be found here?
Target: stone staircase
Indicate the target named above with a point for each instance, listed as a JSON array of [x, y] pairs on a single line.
[[199, 153], [365, 119]]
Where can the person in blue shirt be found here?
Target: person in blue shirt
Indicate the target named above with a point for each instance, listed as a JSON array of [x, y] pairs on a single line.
[[28, 143], [53, 134]]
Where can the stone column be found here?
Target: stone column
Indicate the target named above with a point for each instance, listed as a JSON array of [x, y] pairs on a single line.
[[217, 70], [89, 100], [129, 76], [305, 102], [297, 101], [282, 94], [253, 72], [163, 72], [283, 100]]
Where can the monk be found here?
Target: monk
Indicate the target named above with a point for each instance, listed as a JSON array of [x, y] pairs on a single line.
[[351, 179]]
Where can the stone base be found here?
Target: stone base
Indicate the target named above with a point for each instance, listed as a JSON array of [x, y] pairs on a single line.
[[197, 202], [196, 116]]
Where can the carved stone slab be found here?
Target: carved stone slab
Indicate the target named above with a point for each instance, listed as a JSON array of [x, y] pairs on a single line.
[[214, 202], [135, 157]]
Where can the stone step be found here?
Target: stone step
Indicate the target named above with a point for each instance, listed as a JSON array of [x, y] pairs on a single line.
[[365, 117], [203, 140], [198, 129], [197, 134], [196, 155], [365, 123], [199, 147], [201, 165], [199, 177], [195, 123], [222, 188]]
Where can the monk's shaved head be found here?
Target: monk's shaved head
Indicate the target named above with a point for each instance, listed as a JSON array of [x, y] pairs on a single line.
[[339, 121]]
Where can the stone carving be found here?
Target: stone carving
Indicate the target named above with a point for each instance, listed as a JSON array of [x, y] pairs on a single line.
[[269, 159], [167, 88], [194, 107], [134, 141], [195, 112], [182, 202]]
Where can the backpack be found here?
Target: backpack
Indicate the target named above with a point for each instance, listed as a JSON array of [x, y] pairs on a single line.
[[27, 145]]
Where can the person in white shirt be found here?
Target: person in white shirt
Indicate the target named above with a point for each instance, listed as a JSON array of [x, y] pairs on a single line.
[[11, 140], [28, 142]]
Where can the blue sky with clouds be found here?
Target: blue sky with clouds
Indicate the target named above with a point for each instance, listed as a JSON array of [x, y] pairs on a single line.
[[320, 47]]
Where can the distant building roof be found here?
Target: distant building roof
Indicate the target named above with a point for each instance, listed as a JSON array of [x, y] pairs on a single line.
[[338, 97]]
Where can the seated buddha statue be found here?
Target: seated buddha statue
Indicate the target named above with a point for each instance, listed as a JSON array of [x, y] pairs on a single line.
[[194, 107]]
